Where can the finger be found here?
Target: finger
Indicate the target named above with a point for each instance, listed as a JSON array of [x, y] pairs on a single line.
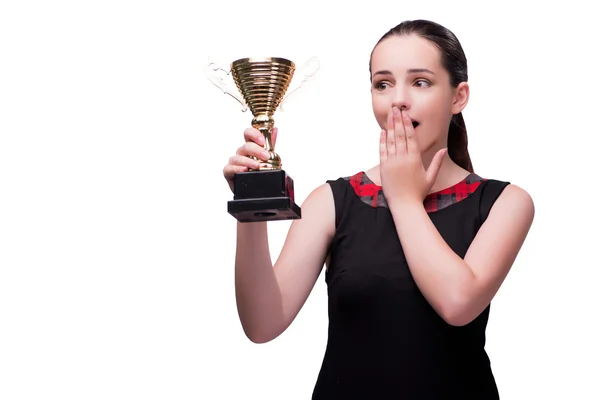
[[254, 150], [243, 161], [436, 164], [400, 132], [390, 136], [254, 135], [383, 146], [409, 132], [229, 171]]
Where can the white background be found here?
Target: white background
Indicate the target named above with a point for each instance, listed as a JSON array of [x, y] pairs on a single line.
[[116, 250]]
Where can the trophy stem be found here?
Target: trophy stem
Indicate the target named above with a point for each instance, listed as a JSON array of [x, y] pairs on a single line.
[[264, 123]]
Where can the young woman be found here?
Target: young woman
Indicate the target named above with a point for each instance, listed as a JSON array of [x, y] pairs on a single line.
[[415, 247]]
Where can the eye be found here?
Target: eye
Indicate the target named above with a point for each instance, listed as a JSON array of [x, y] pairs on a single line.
[[382, 85], [422, 83]]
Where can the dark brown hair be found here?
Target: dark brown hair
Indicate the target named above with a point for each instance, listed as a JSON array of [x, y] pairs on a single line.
[[455, 62]]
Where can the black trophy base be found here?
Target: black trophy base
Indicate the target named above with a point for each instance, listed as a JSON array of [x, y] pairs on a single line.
[[263, 196]]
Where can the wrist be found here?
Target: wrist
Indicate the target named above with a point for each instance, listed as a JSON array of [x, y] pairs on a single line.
[[407, 216], [406, 205]]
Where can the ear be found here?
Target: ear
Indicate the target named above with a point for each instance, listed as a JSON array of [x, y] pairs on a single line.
[[460, 97]]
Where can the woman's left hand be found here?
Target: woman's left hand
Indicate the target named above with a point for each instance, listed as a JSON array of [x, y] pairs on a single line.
[[403, 177]]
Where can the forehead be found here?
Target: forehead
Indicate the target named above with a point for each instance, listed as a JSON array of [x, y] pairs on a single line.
[[398, 53]]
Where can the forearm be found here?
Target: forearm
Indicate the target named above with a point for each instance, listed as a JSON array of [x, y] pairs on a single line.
[[443, 277], [258, 295]]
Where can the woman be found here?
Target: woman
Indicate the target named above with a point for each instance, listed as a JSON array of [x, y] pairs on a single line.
[[415, 247]]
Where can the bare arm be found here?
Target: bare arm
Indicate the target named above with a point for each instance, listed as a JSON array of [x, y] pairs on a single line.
[[459, 290], [270, 297]]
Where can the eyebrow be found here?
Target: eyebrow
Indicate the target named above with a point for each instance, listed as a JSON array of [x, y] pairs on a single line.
[[410, 71]]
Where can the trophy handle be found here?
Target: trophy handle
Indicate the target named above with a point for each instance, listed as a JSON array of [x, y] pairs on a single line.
[[216, 75], [302, 74]]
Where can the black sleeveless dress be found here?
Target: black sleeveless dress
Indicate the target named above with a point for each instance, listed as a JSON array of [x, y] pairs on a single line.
[[385, 341]]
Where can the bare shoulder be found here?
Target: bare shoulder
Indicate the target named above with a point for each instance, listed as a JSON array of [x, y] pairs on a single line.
[[501, 236], [515, 202], [321, 193], [318, 210], [309, 236]]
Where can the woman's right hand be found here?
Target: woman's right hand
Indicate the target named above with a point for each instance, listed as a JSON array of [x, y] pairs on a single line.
[[253, 147]]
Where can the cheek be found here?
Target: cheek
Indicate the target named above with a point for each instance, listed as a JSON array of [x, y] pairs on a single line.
[[379, 102], [380, 110], [435, 111], [439, 107]]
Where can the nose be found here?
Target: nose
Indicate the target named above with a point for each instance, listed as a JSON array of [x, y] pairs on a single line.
[[401, 98]]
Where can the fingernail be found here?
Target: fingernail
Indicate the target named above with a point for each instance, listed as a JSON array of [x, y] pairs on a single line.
[[266, 155], [395, 110]]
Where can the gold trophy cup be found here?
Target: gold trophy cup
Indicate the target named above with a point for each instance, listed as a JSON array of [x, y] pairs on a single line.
[[267, 193]]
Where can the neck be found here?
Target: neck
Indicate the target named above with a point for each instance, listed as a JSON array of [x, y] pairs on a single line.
[[449, 173]]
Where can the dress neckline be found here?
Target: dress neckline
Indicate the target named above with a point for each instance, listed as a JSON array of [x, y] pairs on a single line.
[[445, 190], [372, 194]]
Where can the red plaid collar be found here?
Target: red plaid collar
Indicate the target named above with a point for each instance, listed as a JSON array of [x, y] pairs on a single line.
[[372, 194]]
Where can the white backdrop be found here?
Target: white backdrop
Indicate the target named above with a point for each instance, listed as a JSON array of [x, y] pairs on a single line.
[[116, 250]]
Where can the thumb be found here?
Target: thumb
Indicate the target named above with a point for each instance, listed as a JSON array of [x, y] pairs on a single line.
[[436, 164]]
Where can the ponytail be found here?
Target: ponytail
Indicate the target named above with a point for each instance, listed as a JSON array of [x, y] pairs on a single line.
[[458, 143]]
